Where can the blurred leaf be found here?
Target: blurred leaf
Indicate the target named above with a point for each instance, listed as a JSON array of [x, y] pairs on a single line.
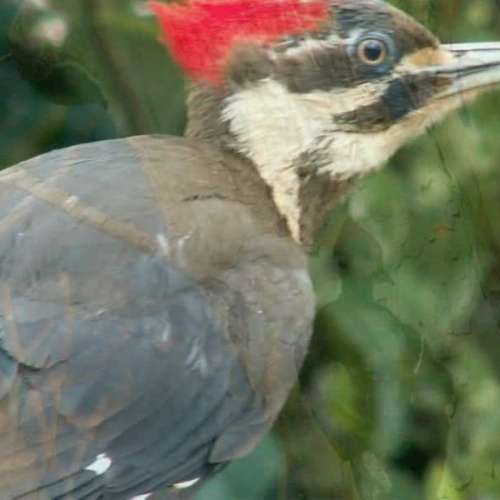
[[441, 485]]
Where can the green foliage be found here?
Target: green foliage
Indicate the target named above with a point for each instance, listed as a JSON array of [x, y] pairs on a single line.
[[399, 397]]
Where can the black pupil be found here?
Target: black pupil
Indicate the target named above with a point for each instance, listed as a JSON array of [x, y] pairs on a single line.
[[373, 50]]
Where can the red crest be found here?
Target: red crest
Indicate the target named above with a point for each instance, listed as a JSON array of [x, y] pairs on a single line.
[[202, 33]]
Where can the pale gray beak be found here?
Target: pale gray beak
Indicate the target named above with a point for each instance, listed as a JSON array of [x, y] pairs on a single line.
[[474, 67]]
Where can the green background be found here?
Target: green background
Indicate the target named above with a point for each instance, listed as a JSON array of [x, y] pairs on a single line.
[[400, 395]]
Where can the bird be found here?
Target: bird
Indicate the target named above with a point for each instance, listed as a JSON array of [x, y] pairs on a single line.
[[155, 300]]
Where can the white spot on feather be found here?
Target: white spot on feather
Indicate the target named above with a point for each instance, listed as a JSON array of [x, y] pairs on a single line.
[[166, 333], [101, 464], [185, 484], [163, 244], [196, 359], [141, 497]]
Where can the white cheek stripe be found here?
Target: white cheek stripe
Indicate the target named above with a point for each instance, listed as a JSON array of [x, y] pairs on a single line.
[[308, 46], [273, 127]]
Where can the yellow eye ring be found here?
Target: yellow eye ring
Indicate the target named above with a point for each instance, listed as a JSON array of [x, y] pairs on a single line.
[[372, 52]]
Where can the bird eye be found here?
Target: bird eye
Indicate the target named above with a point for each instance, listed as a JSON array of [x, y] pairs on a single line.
[[372, 51]]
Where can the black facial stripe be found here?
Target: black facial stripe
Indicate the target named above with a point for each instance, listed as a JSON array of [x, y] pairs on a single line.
[[323, 69], [327, 69], [411, 92], [338, 66], [366, 118], [296, 40], [401, 97]]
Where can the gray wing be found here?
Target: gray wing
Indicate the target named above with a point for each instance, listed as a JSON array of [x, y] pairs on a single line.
[[148, 391], [150, 394], [115, 378]]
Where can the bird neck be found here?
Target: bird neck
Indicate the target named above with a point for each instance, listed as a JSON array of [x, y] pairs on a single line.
[[302, 185]]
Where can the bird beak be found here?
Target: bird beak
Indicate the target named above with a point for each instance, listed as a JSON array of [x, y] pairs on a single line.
[[472, 68]]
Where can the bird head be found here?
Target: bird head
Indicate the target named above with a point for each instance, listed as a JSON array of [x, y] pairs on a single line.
[[320, 88]]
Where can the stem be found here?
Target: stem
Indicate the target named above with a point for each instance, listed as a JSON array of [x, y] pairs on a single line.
[[128, 100]]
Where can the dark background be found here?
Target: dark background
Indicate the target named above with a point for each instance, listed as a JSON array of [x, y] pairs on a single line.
[[400, 396]]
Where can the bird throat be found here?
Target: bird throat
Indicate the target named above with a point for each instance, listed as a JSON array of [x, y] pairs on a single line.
[[299, 149], [293, 144]]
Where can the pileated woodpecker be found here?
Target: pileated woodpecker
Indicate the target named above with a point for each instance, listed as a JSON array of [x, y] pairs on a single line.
[[155, 303]]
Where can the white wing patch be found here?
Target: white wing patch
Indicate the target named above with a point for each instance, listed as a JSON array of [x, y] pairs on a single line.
[[101, 464], [185, 484], [141, 497]]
